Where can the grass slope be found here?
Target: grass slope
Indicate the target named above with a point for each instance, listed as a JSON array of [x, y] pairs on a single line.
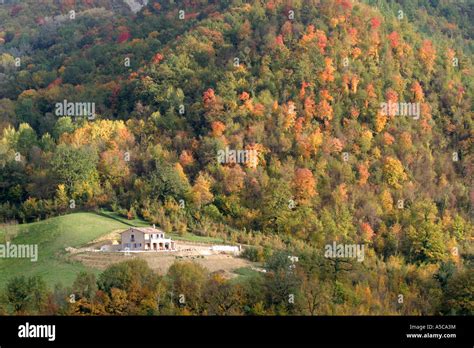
[[53, 236], [188, 237]]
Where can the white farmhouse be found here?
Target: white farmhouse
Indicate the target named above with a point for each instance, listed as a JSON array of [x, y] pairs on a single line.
[[145, 238]]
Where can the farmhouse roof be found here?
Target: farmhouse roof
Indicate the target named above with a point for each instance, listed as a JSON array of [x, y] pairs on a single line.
[[143, 229]]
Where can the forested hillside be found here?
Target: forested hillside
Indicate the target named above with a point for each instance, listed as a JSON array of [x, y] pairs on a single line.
[[304, 85]]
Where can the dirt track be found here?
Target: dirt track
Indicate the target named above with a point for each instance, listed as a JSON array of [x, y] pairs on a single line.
[[162, 261]]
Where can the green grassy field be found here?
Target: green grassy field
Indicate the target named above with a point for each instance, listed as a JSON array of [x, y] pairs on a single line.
[[245, 273], [137, 222], [52, 237], [194, 238]]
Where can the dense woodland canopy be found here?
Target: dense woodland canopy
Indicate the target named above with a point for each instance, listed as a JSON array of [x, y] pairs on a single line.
[[300, 82]]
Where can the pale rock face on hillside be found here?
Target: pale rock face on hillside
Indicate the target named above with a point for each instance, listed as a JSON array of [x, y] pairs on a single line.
[[136, 5]]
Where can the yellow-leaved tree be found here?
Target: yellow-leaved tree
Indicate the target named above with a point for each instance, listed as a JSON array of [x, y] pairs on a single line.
[[393, 172]]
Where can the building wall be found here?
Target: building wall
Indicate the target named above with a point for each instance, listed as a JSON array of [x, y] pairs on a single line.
[[226, 249], [156, 240], [137, 244], [157, 235]]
